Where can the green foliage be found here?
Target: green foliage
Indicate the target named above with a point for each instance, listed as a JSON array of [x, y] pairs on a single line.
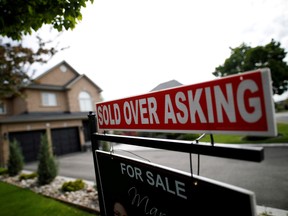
[[246, 58], [105, 146], [172, 135], [21, 17], [47, 167], [190, 137], [16, 160], [255, 138], [76, 185], [25, 176], [281, 106], [3, 171], [266, 213]]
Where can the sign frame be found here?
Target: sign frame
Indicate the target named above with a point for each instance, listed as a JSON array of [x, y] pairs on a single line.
[[146, 188], [249, 153]]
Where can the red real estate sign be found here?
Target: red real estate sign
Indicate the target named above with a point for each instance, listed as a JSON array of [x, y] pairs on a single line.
[[238, 104]]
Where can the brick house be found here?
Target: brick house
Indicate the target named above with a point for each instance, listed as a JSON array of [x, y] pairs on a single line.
[[56, 103]]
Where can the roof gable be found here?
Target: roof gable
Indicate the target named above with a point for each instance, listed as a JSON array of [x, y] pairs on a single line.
[[58, 80], [77, 79], [59, 75]]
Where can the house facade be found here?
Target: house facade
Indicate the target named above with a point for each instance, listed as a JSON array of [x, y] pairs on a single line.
[[57, 104]]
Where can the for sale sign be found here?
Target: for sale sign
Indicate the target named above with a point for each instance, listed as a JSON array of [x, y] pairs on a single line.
[[133, 187], [239, 104]]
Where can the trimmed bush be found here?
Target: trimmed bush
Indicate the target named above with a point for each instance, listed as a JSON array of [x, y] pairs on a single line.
[[189, 137], [16, 159], [3, 171], [255, 138], [47, 167], [105, 146], [25, 176], [76, 185]]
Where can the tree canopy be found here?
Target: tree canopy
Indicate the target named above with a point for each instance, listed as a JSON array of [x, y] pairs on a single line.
[[18, 17], [246, 58]]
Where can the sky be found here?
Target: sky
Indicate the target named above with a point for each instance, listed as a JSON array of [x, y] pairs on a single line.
[[128, 47]]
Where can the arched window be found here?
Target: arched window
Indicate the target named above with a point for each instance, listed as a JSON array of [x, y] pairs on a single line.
[[85, 101]]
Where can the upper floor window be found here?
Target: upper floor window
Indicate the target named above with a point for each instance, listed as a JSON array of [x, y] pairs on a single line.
[[85, 101], [2, 108], [49, 99]]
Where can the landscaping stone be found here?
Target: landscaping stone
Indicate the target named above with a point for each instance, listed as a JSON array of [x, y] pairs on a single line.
[[86, 198]]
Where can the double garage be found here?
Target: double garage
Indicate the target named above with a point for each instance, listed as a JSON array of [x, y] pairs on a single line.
[[64, 141], [67, 133]]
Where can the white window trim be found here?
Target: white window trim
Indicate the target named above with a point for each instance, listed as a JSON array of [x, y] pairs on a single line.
[[49, 99]]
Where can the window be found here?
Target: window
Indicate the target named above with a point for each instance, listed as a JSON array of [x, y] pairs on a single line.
[[49, 99], [63, 68], [85, 101], [2, 108]]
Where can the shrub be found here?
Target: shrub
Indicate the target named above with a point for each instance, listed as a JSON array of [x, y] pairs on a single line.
[[76, 185], [105, 146], [47, 167], [190, 137], [255, 138], [3, 171], [16, 160], [25, 176]]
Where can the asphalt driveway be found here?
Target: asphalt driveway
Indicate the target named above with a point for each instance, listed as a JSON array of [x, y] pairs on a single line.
[[268, 179]]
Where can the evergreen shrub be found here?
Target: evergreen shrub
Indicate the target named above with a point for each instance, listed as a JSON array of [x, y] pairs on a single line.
[[47, 167], [16, 159]]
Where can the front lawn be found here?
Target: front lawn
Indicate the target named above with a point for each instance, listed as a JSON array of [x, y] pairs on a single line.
[[23, 202]]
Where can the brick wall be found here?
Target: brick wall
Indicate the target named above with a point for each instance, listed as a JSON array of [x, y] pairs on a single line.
[[73, 94], [57, 77], [34, 102]]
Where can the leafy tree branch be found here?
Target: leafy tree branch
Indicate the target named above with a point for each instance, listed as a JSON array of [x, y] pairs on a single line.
[[20, 17], [246, 58]]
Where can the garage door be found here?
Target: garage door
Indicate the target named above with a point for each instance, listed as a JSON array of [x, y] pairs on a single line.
[[30, 143], [65, 140]]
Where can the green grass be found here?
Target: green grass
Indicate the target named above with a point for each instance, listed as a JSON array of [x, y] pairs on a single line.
[[237, 139], [18, 201]]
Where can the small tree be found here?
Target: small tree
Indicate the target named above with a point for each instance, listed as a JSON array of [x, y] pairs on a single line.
[[47, 167], [16, 159]]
